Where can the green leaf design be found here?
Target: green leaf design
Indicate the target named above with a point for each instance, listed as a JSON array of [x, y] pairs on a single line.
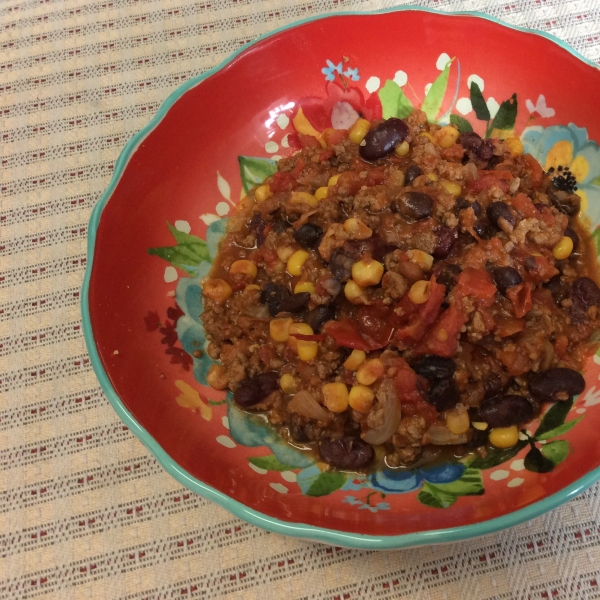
[[326, 483], [270, 463], [443, 495], [560, 430], [535, 461], [556, 451], [434, 496], [507, 115], [254, 170], [188, 253], [482, 112], [496, 456], [463, 125], [433, 101], [596, 181], [554, 418], [394, 102], [596, 239]]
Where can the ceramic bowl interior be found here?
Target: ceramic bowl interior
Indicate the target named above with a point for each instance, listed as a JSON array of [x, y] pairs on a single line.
[[155, 231]]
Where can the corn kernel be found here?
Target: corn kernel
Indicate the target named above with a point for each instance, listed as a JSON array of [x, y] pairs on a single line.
[[427, 135], [304, 286], [370, 371], [335, 396], [287, 383], [446, 136], [262, 192], [321, 193], [303, 198], [424, 260], [250, 287], [402, 149], [563, 249], [479, 425], [280, 328], [355, 359], [457, 420], [432, 177], [419, 292], [504, 437], [284, 253], [359, 130], [217, 377], [451, 187], [302, 328], [357, 229], [333, 180], [217, 290], [243, 267], [515, 146], [295, 262], [307, 350], [361, 398], [353, 292], [367, 272]]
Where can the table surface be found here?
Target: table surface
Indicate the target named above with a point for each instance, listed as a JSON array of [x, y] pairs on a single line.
[[86, 511]]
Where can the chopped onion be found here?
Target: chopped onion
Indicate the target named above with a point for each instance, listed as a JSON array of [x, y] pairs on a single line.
[[470, 171], [440, 435], [430, 149], [304, 404], [258, 311], [390, 403]]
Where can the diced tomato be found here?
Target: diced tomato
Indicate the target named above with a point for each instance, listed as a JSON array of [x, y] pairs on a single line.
[[374, 322], [315, 337], [515, 360], [334, 136], [561, 345], [421, 408], [485, 183], [406, 384], [346, 334], [349, 183], [308, 141], [543, 297], [536, 172], [282, 181], [525, 206], [294, 141], [541, 269], [453, 154], [374, 176], [497, 174], [506, 327], [326, 155], [520, 297], [269, 256], [425, 315], [546, 216], [442, 340], [300, 164], [478, 284]]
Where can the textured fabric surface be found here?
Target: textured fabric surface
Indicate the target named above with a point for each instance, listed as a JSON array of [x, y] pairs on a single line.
[[86, 512]]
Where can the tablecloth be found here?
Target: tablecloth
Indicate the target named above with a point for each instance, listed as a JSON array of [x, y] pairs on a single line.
[[86, 511]]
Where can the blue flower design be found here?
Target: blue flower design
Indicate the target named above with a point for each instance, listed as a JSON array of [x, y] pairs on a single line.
[[352, 74], [364, 506], [569, 147], [392, 481], [330, 70]]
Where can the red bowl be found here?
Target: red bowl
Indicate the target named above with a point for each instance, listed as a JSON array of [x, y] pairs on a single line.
[[141, 313]]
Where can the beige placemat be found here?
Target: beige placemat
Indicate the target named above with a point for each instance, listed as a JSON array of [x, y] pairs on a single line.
[[86, 512]]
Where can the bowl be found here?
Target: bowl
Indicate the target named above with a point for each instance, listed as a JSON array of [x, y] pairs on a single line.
[[155, 231]]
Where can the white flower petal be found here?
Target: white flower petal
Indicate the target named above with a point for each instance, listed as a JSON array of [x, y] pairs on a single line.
[[427, 88], [493, 106], [515, 482], [517, 465], [284, 141], [477, 80], [170, 274], [223, 186], [343, 116], [258, 470], [373, 84], [499, 475], [271, 147], [208, 218], [592, 397], [183, 226], [289, 476], [442, 61], [222, 208], [464, 106], [283, 121], [225, 421], [401, 78], [226, 441], [530, 105], [279, 487]]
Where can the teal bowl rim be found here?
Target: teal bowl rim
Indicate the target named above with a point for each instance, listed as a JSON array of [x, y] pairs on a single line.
[[300, 530]]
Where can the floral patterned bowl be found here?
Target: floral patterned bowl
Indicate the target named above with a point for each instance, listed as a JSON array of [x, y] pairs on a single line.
[[155, 232]]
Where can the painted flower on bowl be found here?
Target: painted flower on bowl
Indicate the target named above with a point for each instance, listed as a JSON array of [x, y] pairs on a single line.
[[574, 158]]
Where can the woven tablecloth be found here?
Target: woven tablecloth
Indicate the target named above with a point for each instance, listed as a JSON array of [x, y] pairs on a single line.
[[86, 511]]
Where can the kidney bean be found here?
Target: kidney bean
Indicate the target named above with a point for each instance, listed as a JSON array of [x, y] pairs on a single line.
[[447, 275], [506, 277], [556, 384], [255, 390], [443, 394], [412, 173], [383, 139], [500, 210], [567, 203], [308, 236], [340, 265], [446, 239], [570, 232], [473, 142], [273, 294], [557, 289], [434, 367], [294, 303], [586, 292], [347, 453], [257, 226], [504, 411], [318, 316], [414, 206]]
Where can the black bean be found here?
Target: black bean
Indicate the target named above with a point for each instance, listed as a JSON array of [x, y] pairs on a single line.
[[500, 210], [415, 206], [566, 202], [412, 173], [308, 236], [473, 142], [506, 277], [478, 439], [447, 275], [332, 286], [318, 316], [529, 264], [255, 390], [585, 292], [443, 394], [446, 239], [348, 453], [295, 303], [556, 384], [340, 265], [570, 232], [383, 139], [504, 411], [463, 204], [257, 226], [279, 225], [494, 384], [273, 294], [297, 429], [434, 367], [558, 290], [380, 251]]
